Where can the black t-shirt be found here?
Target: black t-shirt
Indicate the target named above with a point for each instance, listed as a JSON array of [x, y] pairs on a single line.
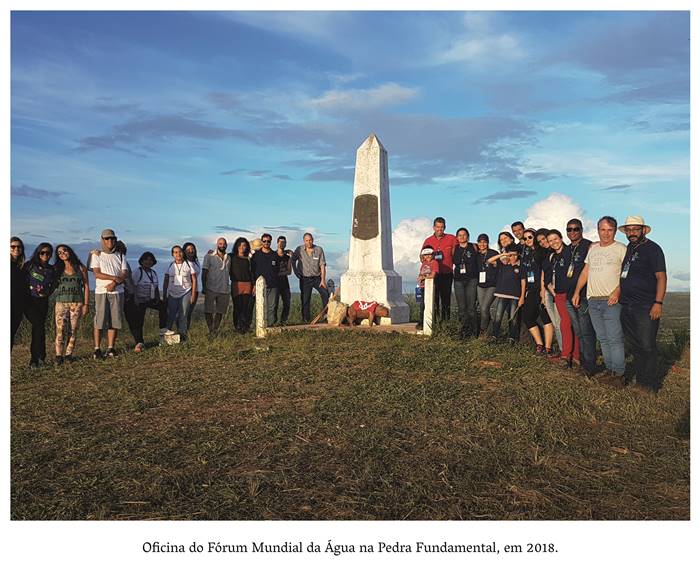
[[508, 279], [578, 257], [547, 266], [239, 269], [465, 258], [491, 270], [638, 283], [531, 268], [560, 265], [267, 265]]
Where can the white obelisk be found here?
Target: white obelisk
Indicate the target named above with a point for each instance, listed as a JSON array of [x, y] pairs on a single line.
[[371, 275]]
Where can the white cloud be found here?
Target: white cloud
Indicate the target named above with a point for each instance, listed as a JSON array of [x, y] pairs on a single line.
[[364, 99], [408, 237], [554, 211], [478, 49]]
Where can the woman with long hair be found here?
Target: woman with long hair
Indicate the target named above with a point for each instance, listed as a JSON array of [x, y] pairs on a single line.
[[41, 278], [72, 300], [18, 286], [241, 285], [547, 270], [532, 294], [179, 286], [504, 240], [191, 256], [507, 289]]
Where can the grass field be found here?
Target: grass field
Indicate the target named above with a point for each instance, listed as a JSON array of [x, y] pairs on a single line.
[[346, 425]]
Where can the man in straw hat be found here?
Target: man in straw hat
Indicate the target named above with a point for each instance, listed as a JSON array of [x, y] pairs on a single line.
[[642, 290]]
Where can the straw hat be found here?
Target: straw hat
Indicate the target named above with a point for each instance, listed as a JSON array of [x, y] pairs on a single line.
[[635, 221]]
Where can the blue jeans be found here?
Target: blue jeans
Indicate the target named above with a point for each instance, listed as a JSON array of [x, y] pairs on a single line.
[[307, 285], [465, 293], [485, 298], [640, 333], [509, 307], [608, 329], [583, 329], [177, 311]]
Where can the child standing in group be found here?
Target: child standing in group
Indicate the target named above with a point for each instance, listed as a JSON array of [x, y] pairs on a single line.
[[428, 269], [508, 290]]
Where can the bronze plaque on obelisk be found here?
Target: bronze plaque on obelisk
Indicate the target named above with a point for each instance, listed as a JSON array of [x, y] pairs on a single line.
[[365, 217]]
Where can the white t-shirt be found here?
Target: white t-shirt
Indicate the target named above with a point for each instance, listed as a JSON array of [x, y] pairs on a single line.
[[180, 282], [111, 264], [604, 267], [145, 284]]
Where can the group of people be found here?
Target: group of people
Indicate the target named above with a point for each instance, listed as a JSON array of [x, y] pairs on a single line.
[[126, 294], [577, 292]]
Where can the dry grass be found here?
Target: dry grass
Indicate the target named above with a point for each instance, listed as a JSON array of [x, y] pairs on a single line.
[[337, 426]]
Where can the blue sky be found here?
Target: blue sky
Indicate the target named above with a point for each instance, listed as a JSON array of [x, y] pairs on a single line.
[[169, 126]]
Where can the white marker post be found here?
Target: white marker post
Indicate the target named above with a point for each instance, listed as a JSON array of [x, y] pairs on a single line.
[[260, 308], [429, 300]]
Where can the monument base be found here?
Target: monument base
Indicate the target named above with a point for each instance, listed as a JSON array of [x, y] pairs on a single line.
[[381, 286]]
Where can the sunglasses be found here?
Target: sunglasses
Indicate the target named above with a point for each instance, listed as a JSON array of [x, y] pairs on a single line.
[[109, 238], [569, 230], [45, 252], [267, 241], [528, 238], [15, 247], [62, 252]]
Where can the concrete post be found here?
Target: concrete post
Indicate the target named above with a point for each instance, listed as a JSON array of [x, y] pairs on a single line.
[[429, 300], [260, 308]]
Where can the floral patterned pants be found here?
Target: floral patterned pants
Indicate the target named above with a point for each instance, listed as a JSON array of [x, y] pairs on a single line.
[[67, 321]]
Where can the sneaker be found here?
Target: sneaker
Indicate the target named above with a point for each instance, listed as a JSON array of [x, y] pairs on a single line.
[[539, 350], [59, 360], [168, 332], [511, 341], [164, 331], [111, 353], [97, 355], [565, 361], [139, 347]]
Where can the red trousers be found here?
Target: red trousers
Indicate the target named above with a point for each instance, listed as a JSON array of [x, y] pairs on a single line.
[[568, 338]]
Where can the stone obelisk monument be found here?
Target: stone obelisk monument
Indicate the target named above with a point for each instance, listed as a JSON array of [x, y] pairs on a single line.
[[371, 275]]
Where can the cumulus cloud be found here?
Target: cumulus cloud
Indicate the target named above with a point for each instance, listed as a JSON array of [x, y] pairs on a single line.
[[408, 237], [554, 211], [364, 99]]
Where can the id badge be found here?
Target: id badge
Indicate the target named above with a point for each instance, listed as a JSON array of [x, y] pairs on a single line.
[[625, 271], [530, 276], [153, 291], [482, 276], [462, 269], [438, 255], [570, 271]]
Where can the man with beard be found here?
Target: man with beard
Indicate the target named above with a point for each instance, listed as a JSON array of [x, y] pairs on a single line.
[[642, 290], [215, 285], [443, 247]]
